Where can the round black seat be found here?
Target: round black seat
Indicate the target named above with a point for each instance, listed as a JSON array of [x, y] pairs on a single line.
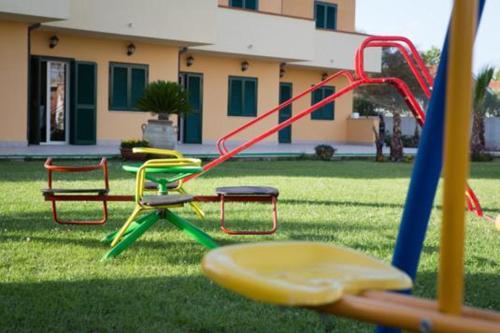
[[247, 190], [154, 186], [165, 200]]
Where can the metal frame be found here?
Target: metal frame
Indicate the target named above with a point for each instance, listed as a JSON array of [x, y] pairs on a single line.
[[355, 80]]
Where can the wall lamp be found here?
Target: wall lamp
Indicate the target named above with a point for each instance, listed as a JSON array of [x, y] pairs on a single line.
[[282, 69], [130, 49], [53, 41], [324, 76], [244, 65], [189, 61]]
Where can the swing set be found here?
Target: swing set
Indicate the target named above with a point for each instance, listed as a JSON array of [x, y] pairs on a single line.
[[344, 282]]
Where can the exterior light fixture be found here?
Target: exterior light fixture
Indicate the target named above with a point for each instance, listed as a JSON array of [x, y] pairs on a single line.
[[130, 49], [282, 69], [324, 76], [244, 65], [53, 41], [189, 61]]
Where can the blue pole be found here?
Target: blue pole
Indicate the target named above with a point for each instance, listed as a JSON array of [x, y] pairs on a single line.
[[425, 177]]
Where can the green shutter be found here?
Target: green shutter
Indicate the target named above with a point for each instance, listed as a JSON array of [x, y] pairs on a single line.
[[138, 84], [331, 17], [83, 115], [119, 90], [251, 4], [194, 120], [320, 15], [326, 15], [326, 112], [235, 97], [250, 101], [236, 3]]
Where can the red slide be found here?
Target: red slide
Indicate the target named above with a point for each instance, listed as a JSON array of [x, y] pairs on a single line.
[[359, 78]]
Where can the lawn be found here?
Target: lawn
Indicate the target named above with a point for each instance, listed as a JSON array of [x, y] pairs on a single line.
[[51, 278]]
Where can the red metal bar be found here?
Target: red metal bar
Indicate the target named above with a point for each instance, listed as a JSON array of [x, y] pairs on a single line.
[[275, 129], [416, 71], [51, 168], [249, 232], [390, 40]]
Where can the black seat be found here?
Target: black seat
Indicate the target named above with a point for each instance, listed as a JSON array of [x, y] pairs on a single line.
[[99, 191], [248, 190], [165, 200], [154, 186]]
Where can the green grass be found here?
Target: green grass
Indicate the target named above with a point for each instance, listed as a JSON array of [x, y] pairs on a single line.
[[51, 278]]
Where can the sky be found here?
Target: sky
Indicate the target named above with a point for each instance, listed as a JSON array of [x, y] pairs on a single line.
[[425, 23]]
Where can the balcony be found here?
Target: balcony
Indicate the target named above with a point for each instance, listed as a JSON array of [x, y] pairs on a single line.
[[174, 21], [336, 50], [34, 11], [255, 34]]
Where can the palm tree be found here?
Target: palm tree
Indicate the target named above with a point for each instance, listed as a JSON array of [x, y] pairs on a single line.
[[480, 92]]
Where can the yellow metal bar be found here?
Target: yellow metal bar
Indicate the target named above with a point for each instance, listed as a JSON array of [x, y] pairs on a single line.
[[456, 155]]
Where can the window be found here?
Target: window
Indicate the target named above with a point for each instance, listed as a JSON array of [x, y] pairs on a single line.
[[326, 15], [126, 85], [242, 99], [326, 112], [246, 4]]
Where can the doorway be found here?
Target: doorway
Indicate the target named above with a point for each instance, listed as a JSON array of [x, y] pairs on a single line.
[[62, 96], [192, 122]]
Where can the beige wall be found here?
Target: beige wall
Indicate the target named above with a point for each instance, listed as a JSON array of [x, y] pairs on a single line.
[[216, 70], [360, 131], [111, 125], [13, 81], [317, 130], [305, 8]]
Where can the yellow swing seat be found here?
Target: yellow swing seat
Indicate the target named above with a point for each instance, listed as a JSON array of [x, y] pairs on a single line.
[[299, 273]]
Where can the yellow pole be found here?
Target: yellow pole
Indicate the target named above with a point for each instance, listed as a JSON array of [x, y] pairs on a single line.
[[456, 155]]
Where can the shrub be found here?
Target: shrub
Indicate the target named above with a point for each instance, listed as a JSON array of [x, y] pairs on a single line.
[[481, 157], [163, 99], [324, 152], [133, 143]]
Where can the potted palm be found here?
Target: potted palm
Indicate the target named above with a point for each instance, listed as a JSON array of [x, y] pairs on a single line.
[[163, 99]]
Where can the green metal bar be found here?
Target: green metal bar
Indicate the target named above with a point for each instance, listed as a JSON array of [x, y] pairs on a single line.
[[192, 231], [126, 241], [109, 238]]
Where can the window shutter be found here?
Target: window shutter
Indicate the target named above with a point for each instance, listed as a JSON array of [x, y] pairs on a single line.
[[320, 15], [235, 97], [331, 17], [138, 83], [250, 102], [119, 87]]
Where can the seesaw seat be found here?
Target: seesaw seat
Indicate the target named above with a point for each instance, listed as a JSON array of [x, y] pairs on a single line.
[[299, 273]]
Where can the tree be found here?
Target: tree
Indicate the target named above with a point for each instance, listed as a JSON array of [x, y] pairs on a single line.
[[480, 109], [431, 56], [363, 107], [163, 99], [387, 97]]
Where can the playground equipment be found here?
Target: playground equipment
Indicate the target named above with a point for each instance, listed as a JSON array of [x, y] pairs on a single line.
[[162, 186], [343, 282], [159, 206]]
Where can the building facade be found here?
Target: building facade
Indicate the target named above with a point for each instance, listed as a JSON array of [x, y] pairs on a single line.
[[72, 70]]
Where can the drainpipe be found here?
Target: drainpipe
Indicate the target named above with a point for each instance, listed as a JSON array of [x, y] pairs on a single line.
[[30, 29], [180, 80]]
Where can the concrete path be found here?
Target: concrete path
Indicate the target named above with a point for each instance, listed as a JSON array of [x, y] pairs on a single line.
[[203, 150]]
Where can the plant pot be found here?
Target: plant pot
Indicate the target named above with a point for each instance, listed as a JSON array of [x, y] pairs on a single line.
[[160, 133], [128, 155]]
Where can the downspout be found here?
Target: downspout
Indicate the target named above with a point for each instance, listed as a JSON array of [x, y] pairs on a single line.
[[28, 102]]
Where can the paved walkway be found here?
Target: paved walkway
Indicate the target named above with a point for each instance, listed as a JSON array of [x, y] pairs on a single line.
[[204, 150]]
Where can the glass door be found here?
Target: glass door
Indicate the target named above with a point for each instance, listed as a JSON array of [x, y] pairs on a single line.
[[54, 122]]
